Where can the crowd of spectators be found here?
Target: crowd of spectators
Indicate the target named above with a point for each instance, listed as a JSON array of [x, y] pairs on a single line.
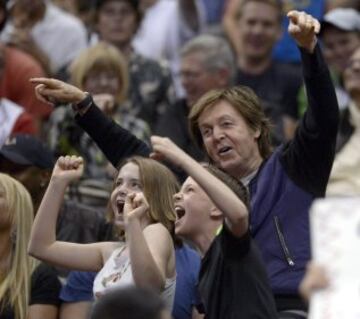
[[249, 111]]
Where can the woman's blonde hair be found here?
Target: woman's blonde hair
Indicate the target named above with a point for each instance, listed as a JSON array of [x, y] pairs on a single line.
[[16, 286], [159, 186], [101, 57]]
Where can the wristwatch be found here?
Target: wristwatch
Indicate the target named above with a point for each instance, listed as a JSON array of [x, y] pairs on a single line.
[[83, 105]]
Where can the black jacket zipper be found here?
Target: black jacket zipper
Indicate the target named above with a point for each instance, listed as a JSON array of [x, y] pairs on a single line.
[[284, 247]]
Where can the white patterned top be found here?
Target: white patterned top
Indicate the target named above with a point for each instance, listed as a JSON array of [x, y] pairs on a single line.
[[117, 273]]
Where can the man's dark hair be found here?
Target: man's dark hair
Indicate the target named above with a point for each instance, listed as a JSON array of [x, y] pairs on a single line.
[[5, 14], [128, 303], [133, 3]]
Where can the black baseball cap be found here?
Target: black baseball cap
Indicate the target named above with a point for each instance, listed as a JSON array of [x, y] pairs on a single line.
[[25, 149]]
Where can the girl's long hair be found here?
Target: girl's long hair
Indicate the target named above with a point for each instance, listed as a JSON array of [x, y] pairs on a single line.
[[16, 286], [159, 186]]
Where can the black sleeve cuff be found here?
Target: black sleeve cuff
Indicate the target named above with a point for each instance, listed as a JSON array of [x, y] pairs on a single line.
[[83, 105], [312, 63]]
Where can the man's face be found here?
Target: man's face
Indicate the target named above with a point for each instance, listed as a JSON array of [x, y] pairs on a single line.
[[196, 79], [352, 75], [259, 28], [339, 46], [192, 207], [31, 177], [117, 22], [228, 140]]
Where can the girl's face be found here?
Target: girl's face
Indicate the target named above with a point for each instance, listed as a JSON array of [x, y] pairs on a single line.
[[128, 181], [5, 222]]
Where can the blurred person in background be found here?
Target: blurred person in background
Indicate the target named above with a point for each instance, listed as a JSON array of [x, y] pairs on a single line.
[[83, 9], [314, 280], [102, 71], [14, 120], [30, 161], [150, 89], [25, 114], [340, 37], [284, 51], [42, 29], [333, 4], [277, 84], [166, 26], [345, 174], [207, 63], [131, 303], [27, 289]]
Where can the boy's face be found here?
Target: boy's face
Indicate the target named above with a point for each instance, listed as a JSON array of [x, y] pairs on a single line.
[[192, 207]]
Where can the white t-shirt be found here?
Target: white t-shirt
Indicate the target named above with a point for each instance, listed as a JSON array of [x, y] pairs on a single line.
[[162, 33], [60, 35], [9, 113]]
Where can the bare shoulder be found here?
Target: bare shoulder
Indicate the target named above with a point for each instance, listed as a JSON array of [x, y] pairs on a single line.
[[108, 247], [157, 233], [156, 228]]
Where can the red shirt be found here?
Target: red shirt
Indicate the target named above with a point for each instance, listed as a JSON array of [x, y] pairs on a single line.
[[15, 85]]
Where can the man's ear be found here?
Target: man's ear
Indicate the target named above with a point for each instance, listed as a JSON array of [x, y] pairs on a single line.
[[215, 212]]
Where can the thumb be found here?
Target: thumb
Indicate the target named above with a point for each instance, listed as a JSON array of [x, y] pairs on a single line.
[[293, 29], [293, 16]]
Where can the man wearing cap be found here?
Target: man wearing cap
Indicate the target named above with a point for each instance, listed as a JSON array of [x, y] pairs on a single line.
[[29, 161], [340, 36]]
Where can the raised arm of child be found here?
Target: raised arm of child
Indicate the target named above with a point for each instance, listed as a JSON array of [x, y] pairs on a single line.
[[234, 210], [150, 247], [43, 244]]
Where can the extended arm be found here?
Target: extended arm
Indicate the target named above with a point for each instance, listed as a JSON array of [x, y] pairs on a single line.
[[234, 210], [114, 141], [149, 247], [308, 158], [43, 244], [230, 24]]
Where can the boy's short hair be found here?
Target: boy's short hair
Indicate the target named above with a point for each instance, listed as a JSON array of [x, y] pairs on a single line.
[[235, 185]]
